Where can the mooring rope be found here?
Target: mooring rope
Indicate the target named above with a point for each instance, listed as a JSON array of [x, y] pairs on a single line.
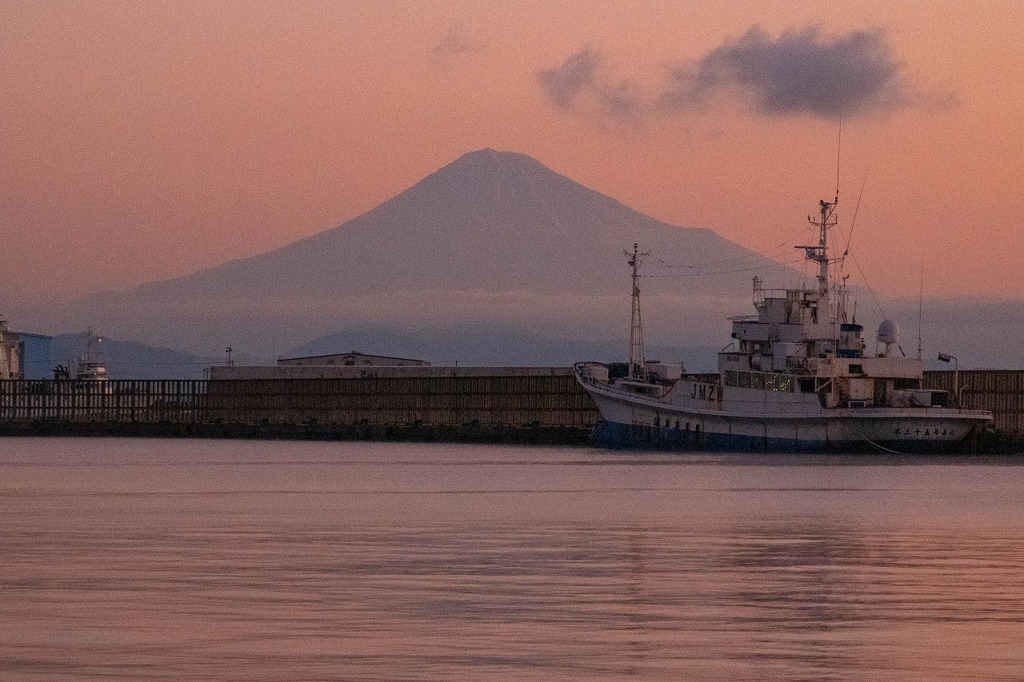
[[911, 454], [883, 448]]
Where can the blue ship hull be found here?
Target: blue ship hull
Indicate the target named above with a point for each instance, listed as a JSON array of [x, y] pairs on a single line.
[[637, 437]]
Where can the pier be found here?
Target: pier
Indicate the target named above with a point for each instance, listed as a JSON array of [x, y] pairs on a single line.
[[513, 405]]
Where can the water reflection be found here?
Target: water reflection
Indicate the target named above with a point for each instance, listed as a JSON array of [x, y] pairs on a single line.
[[193, 563]]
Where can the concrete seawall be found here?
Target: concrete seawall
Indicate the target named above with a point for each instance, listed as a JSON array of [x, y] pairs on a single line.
[[513, 405], [493, 405]]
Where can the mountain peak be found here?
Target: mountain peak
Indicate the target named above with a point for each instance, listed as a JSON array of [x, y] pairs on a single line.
[[486, 152], [490, 162], [491, 155], [495, 183]]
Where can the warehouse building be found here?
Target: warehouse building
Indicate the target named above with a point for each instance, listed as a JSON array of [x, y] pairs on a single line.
[[24, 355]]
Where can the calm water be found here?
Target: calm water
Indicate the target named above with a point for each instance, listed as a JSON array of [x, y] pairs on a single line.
[[230, 560]]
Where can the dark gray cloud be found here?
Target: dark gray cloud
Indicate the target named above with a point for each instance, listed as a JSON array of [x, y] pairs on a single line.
[[575, 77], [581, 83], [800, 72], [456, 42]]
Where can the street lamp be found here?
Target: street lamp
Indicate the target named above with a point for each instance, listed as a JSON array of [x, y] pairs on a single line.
[[945, 357]]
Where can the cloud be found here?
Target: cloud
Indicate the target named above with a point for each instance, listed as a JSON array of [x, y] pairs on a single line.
[[456, 42], [799, 72], [576, 76], [581, 82]]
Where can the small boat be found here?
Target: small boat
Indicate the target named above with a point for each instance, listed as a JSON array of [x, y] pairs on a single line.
[[796, 378], [91, 366]]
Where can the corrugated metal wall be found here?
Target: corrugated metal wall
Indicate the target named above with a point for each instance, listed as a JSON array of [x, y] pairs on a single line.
[[454, 401], [172, 400], [1000, 391], [443, 401]]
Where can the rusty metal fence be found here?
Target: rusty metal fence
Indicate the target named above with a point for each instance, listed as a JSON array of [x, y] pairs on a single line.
[[554, 401], [85, 401], [550, 401]]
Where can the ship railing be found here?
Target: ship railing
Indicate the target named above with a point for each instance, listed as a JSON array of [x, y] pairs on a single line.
[[596, 374], [796, 363], [582, 371]]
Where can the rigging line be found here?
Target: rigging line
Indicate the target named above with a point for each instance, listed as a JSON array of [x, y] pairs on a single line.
[[856, 210], [839, 150], [723, 272], [739, 259], [839, 158], [920, 309], [868, 286], [719, 266], [756, 255], [767, 262]]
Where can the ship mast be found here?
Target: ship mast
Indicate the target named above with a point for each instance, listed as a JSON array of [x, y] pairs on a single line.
[[637, 361], [819, 253]]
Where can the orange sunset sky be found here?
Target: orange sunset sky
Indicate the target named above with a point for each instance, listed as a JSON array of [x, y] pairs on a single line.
[[145, 140]]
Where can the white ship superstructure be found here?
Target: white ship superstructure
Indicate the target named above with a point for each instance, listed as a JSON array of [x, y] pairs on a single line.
[[796, 378], [91, 366]]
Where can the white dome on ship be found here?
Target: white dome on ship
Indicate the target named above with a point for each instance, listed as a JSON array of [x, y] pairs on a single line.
[[888, 332]]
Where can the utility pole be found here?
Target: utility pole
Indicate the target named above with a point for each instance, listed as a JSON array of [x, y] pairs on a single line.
[[637, 361]]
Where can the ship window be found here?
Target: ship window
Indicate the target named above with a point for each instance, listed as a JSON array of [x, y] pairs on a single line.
[[743, 380], [677, 425], [687, 426], [856, 369], [807, 385], [757, 380]]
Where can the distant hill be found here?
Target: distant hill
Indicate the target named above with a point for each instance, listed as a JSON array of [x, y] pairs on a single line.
[[486, 346], [494, 239], [130, 359]]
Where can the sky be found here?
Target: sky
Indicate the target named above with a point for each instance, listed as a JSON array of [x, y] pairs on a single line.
[[147, 140]]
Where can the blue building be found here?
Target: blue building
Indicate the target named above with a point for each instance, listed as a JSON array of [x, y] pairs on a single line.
[[36, 353]]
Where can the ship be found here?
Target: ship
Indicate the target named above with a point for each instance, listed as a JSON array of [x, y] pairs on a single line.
[[795, 378], [89, 369]]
